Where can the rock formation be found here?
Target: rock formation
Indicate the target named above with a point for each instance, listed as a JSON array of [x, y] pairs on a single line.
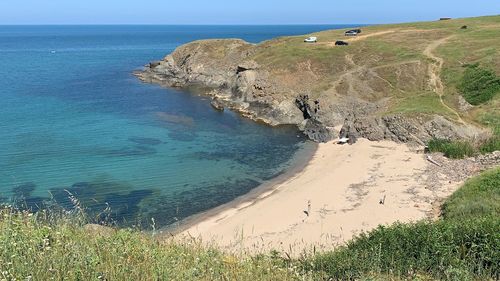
[[227, 71]]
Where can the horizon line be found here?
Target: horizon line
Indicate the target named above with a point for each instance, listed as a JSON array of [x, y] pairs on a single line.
[[173, 24], [232, 24]]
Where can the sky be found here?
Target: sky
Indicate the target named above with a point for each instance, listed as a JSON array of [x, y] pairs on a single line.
[[238, 11]]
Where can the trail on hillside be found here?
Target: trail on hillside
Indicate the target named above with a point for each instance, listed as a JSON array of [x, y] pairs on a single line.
[[434, 72], [364, 36]]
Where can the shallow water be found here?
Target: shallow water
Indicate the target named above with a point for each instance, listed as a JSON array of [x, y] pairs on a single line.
[[74, 120]]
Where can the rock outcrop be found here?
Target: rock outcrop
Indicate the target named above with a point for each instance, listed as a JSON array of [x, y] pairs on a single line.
[[227, 71]]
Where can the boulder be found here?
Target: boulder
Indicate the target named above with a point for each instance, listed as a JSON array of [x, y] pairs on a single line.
[[317, 131], [246, 65], [217, 105]]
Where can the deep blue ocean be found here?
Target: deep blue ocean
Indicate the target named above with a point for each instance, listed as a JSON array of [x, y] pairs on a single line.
[[75, 121]]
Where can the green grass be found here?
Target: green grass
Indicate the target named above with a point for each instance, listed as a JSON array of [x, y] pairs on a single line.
[[491, 145], [478, 197], [424, 103], [39, 247], [463, 245], [452, 250], [492, 119], [289, 58], [459, 149], [452, 149], [479, 85]]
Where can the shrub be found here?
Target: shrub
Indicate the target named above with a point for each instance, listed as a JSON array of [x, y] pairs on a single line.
[[479, 85], [464, 245], [491, 145], [478, 197], [452, 149]]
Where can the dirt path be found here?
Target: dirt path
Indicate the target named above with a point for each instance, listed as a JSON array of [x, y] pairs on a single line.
[[364, 36], [434, 73]]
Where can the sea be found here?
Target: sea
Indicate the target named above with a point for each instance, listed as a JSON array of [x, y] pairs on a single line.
[[79, 132]]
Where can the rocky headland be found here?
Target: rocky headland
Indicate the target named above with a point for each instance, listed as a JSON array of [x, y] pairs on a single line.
[[385, 85]]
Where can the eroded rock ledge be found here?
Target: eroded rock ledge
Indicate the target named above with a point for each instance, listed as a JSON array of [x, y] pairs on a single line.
[[227, 71]]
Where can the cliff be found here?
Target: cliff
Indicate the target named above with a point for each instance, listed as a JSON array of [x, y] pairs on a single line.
[[395, 82]]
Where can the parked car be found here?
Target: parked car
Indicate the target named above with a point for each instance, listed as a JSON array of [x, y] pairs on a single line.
[[341, 43], [311, 40], [352, 32]]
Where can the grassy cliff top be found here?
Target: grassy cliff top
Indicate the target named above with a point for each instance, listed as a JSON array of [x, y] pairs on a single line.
[[414, 67]]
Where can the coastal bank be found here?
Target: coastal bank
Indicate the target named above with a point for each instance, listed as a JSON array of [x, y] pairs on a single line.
[[395, 88]]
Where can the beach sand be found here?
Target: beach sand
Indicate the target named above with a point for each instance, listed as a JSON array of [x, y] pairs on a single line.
[[336, 196]]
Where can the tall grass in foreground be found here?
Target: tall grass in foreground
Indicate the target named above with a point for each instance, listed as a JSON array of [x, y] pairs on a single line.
[[33, 248], [464, 245]]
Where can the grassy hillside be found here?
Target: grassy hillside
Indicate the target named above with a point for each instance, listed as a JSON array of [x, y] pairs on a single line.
[[394, 64], [464, 245]]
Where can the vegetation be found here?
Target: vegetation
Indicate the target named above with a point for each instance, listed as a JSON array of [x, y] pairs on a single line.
[[452, 149], [43, 247], [479, 197], [491, 145], [464, 245], [459, 149], [456, 250], [479, 85]]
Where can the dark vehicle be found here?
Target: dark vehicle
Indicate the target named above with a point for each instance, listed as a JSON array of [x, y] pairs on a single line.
[[352, 32], [341, 43]]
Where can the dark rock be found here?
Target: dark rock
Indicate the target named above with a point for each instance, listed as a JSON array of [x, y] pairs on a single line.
[[302, 102], [217, 104], [317, 131], [349, 131], [369, 128], [23, 190], [245, 66], [154, 64], [352, 139]]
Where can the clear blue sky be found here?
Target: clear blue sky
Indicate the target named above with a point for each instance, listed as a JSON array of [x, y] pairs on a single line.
[[237, 11]]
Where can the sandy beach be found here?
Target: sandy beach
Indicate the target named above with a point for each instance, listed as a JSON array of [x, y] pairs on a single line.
[[341, 192]]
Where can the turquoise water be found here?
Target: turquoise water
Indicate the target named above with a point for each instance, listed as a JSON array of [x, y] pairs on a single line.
[[74, 120]]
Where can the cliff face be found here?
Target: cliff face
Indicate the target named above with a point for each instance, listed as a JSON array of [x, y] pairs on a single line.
[[370, 88], [230, 76]]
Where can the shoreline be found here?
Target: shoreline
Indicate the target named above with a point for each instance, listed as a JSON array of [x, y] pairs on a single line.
[[344, 186], [301, 160]]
